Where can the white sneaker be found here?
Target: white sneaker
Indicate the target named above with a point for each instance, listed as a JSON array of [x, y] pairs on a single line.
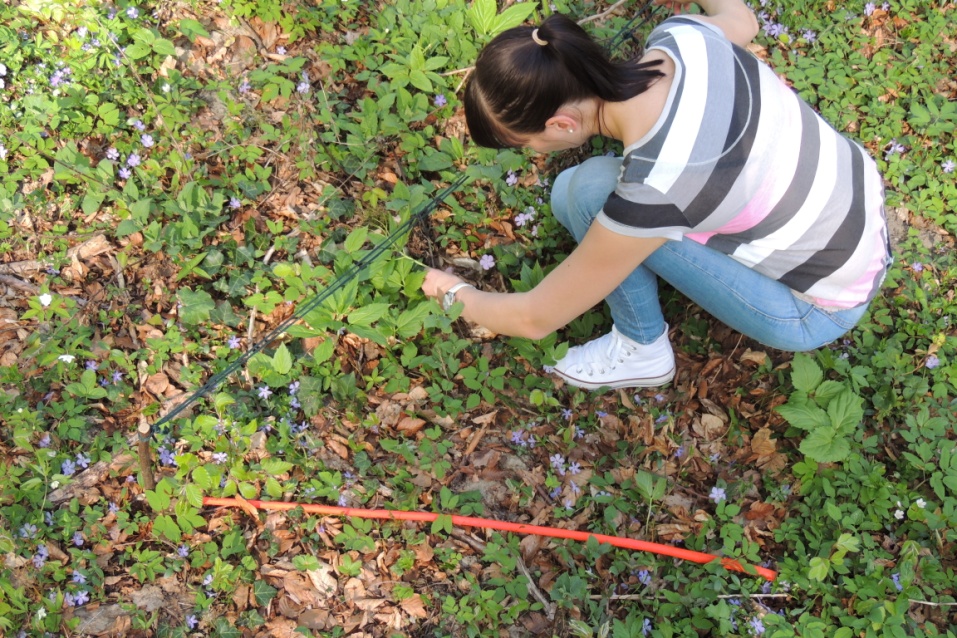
[[615, 361]]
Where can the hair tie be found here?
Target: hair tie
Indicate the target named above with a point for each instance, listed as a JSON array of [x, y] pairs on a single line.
[[537, 39]]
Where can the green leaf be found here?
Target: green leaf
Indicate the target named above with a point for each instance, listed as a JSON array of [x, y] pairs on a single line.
[[806, 374], [845, 411], [192, 29], [164, 47], [276, 466], [825, 445], [355, 240], [368, 314], [165, 525], [819, 569], [263, 592], [800, 412], [512, 17], [437, 161], [196, 306], [194, 495], [419, 80], [481, 15], [202, 478], [138, 51], [282, 360]]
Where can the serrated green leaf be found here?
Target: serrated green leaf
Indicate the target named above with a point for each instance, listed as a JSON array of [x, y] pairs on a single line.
[[511, 17], [825, 392], [481, 15], [800, 412], [420, 80], [276, 466], [202, 478], [165, 525], [806, 374], [819, 569], [368, 314], [164, 47], [845, 411], [824, 445], [194, 494], [282, 360], [437, 161], [137, 51], [355, 240]]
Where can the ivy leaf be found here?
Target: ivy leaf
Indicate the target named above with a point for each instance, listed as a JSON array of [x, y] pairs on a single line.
[[263, 592], [196, 306]]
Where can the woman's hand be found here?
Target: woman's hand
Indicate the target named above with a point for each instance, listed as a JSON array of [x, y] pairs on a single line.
[[437, 282]]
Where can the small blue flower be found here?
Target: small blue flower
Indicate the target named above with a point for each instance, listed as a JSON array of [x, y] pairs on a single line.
[[264, 392], [192, 622], [183, 551], [646, 626], [78, 539], [487, 262], [147, 140], [440, 100], [133, 160], [112, 154], [83, 460], [79, 578], [244, 86], [281, 50], [932, 362], [67, 468], [233, 342], [28, 530], [219, 457], [869, 8], [511, 179], [124, 173], [897, 581], [757, 627], [566, 414], [166, 456], [718, 494], [644, 577], [138, 125], [234, 203], [948, 165], [574, 468], [117, 376], [132, 13], [92, 365], [294, 387]]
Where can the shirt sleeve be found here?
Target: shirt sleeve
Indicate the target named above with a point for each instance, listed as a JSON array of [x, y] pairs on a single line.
[[638, 210]]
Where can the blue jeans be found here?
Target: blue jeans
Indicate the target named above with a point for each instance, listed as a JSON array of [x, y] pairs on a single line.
[[751, 303]]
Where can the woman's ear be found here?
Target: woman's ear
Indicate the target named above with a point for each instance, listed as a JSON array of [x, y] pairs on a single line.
[[563, 122]]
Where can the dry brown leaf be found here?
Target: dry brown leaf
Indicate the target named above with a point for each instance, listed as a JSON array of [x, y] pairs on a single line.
[[414, 607], [324, 579], [410, 425]]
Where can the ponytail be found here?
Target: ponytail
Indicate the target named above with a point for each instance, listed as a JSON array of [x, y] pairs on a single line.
[[524, 75]]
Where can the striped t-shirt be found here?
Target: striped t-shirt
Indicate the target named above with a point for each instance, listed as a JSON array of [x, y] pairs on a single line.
[[739, 163]]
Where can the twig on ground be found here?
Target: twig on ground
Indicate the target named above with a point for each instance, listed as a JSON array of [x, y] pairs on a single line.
[[534, 590], [606, 12]]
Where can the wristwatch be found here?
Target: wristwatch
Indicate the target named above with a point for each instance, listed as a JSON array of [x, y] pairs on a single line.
[[449, 297]]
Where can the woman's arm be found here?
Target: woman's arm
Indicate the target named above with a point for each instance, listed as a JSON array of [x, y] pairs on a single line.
[[602, 261], [733, 17]]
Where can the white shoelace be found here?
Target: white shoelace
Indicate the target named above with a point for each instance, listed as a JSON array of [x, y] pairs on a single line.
[[595, 358]]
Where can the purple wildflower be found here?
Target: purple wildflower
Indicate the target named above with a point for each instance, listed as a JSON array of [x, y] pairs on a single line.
[[680, 452], [244, 86], [717, 494], [646, 626], [440, 100], [44, 440], [897, 581], [264, 392], [133, 160], [114, 508], [147, 140], [932, 362], [124, 173], [67, 468], [40, 558], [487, 262], [574, 468], [92, 365], [219, 457], [234, 203], [579, 432], [511, 179], [117, 376], [166, 456], [138, 125], [343, 500], [112, 154], [555, 492], [948, 165], [79, 578], [183, 551], [774, 29], [207, 580], [917, 266], [558, 463], [869, 8], [233, 342], [68, 600], [644, 577], [281, 50], [28, 530], [303, 87], [294, 387], [757, 627], [78, 539], [83, 460], [566, 414], [894, 148], [192, 622], [662, 418], [132, 13], [809, 35], [518, 437]]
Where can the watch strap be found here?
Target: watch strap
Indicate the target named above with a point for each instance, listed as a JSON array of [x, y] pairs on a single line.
[[449, 297]]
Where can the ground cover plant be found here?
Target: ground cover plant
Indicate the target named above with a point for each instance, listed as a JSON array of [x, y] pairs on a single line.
[[178, 178]]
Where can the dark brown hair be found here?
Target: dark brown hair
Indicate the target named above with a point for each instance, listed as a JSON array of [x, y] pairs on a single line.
[[518, 84]]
